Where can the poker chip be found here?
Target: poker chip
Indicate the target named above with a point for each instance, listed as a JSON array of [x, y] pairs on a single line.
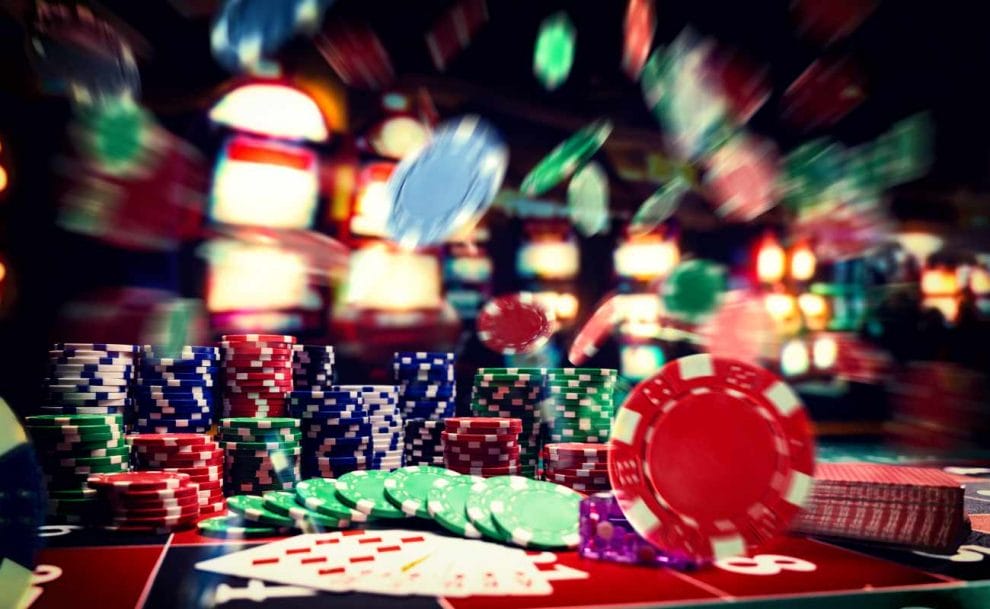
[[719, 408], [452, 179], [426, 383], [446, 502], [203, 465], [285, 504], [423, 443], [257, 374], [514, 324], [365, 492], [408, 487], [312, 366], [537, 514], [477, 510], [320, 495], [260, 454], [136, 501], [475, 424], [233, 527], [384, 423], [566, 158], [252, 507]]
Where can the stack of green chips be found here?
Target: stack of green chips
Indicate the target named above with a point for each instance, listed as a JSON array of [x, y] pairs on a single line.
[[579, 405], [70, 447], [516, 393], [260, 454]]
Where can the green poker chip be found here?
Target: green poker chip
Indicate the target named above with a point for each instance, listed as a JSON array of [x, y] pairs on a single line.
[[511, 371], [259, 423], [84, 461], [364, 490], [285, 504], [408, 487], [447, 502], [566, 158], [320, 495], [79, 420], [537, 514], [235, 527], [477, 509], [252, 507], [254, 446]]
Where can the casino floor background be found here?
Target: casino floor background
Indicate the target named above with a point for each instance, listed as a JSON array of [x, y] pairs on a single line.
[[625, 303]]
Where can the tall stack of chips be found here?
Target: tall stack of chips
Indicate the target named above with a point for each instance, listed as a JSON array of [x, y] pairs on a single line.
[[513, 393], [426, 383], [382, 405], [257, 374], [423, 442], [89, 378], [146, 502], [312, 367], [336, 431], [70, 448], [192, 454], [579, 405], [482, 446], [578, 466], [175, 393], [260, 454]]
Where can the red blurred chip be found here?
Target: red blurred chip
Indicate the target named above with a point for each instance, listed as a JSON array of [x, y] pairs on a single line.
[[454, 30], [356, 54], [640, 25], [514, 324], [824, 93], [826, 21]]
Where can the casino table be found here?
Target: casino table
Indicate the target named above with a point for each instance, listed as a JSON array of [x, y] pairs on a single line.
[[157, 571]]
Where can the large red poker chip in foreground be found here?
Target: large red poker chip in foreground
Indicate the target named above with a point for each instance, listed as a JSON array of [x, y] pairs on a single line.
[[711, 458]]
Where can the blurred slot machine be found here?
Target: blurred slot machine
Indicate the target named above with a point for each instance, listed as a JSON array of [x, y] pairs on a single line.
[[640, 262], [467, 274], [942, 290], [978, 280], [266, 270]]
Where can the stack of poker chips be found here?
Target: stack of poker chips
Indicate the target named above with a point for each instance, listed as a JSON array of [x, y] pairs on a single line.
[[70, 448], [257, 374], [426, 383], [193, 454], [482, 446], [89, 378], [260, 454], [312, 367], [336, 431], [174, 392], [382, 405], [146, 502], [607, 535], [579, 405], [916, 507], [578, 466], [513, 393], [423, 442]]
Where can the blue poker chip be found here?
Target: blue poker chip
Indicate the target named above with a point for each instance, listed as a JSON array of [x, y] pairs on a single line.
[[177, 407], [161, 350], [77, 352], [172, 424], [433, 393], [368, 389], [167, 377], [325, 423], [92, 375], [88, 361], [168, 398], [190, 368], [338, 432], [342, 442], [122, 347], [181, 383], [66, 409], [404, 357], [325, 396]]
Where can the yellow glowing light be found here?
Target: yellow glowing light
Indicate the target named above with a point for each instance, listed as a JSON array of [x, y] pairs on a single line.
[[246, 277], [549, 259], [939, 282], [380, 278], [770, 261], [794, 358], [824, 352], [646, 258], [979, 281], [399, 136], [559, 305], [802, 263], [920, 245], [780, 306], [3, 271], [3, 179], [640, 361], [271, 109], [812, 305], [947, 305]]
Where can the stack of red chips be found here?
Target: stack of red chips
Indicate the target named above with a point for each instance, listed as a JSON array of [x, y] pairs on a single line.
[[482, 446], [257, 371], [579, 466], [147, 502], [195, 455]]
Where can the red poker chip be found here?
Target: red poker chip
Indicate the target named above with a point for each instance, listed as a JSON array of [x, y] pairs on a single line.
[[236, 371], [276, 338], [131, 500], [676, 463], [138, 481], [175, 457], [487, 438], [161, 521], [257, 346], [487, 470], [481, 455], [595, 331], [146, 530], [213, 509], [577, 449], [516, 323], [151, 496], [601, 480], [190, 464], [260, 387], [482, 424], [168, 439], [171, 450], [130, 511], [236, 401], [261, 359], [573, 472], [487, 461], [202, 470], [486, 448], [239, 377]]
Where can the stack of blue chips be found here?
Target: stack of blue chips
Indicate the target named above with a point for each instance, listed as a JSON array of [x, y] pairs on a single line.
[[89, 378], [175, 393], [312, 367], [382, 404], [424, 442], [336, 431], [426, 384]]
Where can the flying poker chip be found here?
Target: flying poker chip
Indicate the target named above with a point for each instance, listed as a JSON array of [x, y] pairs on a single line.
[[553, 55], [587, 199], [446, 502], [595, 331], [659, 206], [741, 329], [741, 178], [693, 288], [408, 487], [566, 158], [721, 409], [516, 323], [639, 27], [364, 490], [537, 514], [447, 183]]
